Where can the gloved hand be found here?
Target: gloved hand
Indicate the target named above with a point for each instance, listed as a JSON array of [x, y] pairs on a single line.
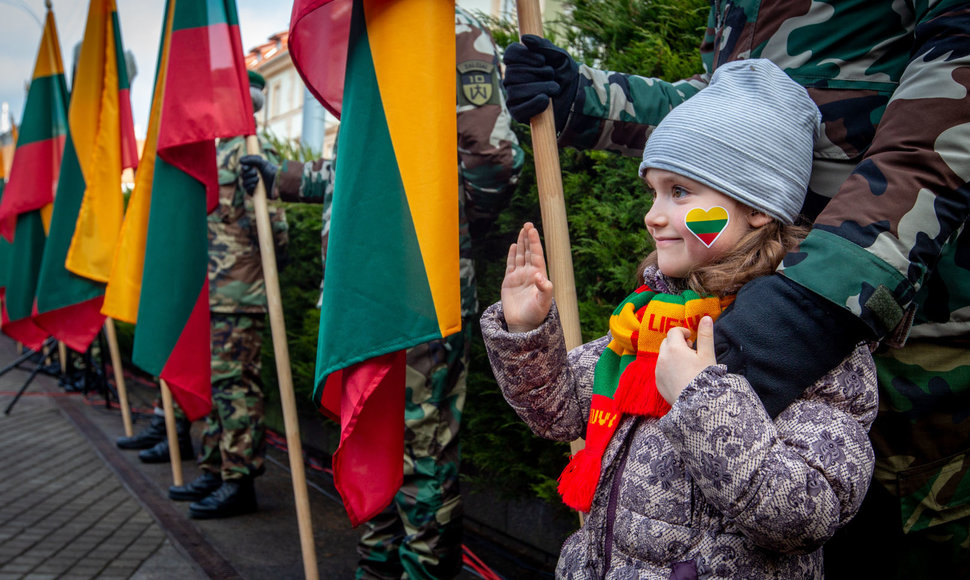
[[537, 70], [251, 167], [782, 338]]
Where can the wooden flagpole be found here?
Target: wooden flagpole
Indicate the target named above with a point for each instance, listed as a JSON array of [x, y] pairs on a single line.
[[62, 355], [552, 204], [267, 251], [174, 453], [109, 328]]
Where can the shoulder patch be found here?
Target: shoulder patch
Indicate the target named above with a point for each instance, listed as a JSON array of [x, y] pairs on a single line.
[[476, 80]]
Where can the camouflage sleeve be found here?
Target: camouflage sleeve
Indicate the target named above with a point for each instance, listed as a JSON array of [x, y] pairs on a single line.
[[889, 222], [310, 182], [616, 111], [281, 229], [489, 156]]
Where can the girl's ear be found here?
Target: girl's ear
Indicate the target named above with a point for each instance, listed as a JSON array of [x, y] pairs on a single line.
[[757, 219]]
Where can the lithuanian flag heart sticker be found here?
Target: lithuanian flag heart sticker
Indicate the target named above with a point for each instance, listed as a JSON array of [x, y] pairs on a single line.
[[707, 224]]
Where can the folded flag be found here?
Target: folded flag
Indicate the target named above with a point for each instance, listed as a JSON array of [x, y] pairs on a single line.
[[89, 206], [394, 209], [25, 210], [202, 93]]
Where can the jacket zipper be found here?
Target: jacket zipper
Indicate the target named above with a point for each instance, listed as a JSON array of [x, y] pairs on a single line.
[[611, 509]]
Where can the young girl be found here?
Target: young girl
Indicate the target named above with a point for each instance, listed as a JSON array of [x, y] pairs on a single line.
[[684, 475]]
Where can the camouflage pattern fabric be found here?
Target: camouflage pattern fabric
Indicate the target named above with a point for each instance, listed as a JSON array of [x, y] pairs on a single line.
[[891, 80], [235, 270], [234, 440], [420, 533]]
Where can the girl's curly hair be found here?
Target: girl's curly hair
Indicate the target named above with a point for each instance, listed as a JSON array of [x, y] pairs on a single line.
[[758, 253]]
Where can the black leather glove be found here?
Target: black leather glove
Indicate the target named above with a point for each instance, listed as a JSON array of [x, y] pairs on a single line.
[[782, 338], [251, 167], [537, 70]]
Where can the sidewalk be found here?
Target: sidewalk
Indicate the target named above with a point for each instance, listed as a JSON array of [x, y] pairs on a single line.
[[73, 505]]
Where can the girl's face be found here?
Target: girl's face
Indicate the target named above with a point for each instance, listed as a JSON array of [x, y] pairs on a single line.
[[686, 239]]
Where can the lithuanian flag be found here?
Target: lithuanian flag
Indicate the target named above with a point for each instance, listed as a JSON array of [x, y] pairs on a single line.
[[201, 93], [89, 207], [25, 209], [387, 68]]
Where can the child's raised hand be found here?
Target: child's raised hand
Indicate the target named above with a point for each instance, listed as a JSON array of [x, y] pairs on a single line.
[[678, 363], [526, 290]]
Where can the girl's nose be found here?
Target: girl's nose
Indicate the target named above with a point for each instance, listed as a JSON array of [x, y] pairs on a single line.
[[654, 218]]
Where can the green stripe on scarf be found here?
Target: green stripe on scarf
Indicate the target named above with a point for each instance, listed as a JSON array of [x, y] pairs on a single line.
[[624, 381]]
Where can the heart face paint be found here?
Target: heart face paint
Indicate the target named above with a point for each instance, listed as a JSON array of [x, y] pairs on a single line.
[[707, 224]]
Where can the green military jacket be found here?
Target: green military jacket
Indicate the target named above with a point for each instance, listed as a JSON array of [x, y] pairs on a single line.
[[235, 268]]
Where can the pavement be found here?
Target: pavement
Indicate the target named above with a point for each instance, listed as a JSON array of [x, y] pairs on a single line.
[[74, 506]]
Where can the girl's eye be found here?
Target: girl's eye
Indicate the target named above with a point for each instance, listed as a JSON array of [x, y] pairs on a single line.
[[678, 192]]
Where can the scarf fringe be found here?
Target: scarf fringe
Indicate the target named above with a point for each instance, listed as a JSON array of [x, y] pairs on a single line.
[[637, 392], [577, 483]]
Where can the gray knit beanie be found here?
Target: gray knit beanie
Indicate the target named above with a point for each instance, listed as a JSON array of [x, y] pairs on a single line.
[[748, 134]]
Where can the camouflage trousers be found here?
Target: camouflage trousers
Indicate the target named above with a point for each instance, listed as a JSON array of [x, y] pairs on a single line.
[[916, 515], [419, 534], [234, 440]]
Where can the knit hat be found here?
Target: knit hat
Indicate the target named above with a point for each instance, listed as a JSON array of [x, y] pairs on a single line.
[[749, 134]]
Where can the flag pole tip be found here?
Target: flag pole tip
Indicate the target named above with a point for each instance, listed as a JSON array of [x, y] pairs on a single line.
[[48, 4]]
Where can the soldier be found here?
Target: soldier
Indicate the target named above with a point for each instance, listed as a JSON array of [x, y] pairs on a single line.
[[419, 535], [887, 257], [233, 443]]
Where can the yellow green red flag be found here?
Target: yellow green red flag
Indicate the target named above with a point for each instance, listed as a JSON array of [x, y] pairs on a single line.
[[395, 208], [88, 206]]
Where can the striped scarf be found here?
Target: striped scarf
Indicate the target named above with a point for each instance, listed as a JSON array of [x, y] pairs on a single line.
[[624, 381]]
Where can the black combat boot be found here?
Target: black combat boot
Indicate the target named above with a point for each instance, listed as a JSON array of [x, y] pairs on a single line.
[[147, 437], [197, 489], [234, 497], [159, 453]]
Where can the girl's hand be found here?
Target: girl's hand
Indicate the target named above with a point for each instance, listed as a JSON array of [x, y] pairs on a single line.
[[526, 290], [678, 363]]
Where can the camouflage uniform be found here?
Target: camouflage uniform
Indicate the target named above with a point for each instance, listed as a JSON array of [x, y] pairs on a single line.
[[891, 80], [419, 536], [234, 439]]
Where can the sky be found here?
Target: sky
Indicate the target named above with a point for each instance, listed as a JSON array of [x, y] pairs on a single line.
[[21, 27]]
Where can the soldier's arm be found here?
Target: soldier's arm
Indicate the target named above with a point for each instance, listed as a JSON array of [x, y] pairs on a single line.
[[886, 227], [615, 111], [489, 156], [309, 182]]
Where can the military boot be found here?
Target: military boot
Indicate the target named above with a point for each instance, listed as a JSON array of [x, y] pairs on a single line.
[[234, 497], [197, 489], [147, 437], [159, 453]]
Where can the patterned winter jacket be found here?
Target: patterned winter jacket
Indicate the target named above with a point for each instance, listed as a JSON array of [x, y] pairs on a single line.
[[715, 488], [489, 156], [892, 80]]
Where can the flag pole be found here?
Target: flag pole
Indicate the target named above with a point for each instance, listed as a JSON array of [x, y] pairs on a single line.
[[62, 355], [552, 205], [551, 201], [267, 251], [174, 453], [109, 327]]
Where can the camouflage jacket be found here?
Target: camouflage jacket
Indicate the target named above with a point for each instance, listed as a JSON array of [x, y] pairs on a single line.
[[235, 270], [891, 80], [489, 156], [715, 485]]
